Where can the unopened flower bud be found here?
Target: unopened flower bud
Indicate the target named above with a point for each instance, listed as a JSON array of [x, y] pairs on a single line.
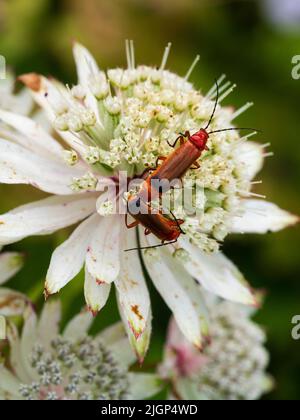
[[113, 105]]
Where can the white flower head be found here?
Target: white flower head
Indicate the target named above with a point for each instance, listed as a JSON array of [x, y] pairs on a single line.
[[121, 121], [70, 365], [231, 367]]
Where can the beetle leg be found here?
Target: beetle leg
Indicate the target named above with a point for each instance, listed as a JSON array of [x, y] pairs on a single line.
[[196, 166], [146, 172], [131, 225], [160, 158]]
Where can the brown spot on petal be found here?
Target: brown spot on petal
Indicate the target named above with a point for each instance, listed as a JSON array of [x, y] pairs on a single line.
[[135, 309], [137, 334], [14, 302], [47, 294], [1, 223], [133, 283], [92, 311], [32, 80], [100, 282]]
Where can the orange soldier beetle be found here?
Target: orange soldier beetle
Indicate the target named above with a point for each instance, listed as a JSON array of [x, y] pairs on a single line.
[[176, 164], [165, 229], [185, 157]]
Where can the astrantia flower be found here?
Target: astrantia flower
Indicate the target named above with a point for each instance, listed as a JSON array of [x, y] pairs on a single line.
[[122, 120], [44, 364], [232, 367]]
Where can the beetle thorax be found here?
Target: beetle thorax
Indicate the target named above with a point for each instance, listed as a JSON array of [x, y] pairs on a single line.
[[200, 139]]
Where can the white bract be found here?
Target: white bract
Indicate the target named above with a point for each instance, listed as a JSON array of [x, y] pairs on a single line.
[[10, 264], [122, 120], [70, 365], [231, 367], [21, 102], [11, 302]]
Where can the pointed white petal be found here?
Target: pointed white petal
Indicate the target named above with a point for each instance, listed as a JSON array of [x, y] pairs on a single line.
[[85, 63], [12, 303], [45, 92], [45, 216], [181, 294], [20, 166], [132, 288], [217, 274], [15, 354], [180, 357], [251, 156], [28, 338], [144, 385], [96, 294], [23, 103], [194, 293], [103, 256], [260, 216], [139, 344], [68, 259], [9, 384], [86, 69], [10, 264], [48, 325], [7, 84], [41, 118], [79, 326], [42, 143]]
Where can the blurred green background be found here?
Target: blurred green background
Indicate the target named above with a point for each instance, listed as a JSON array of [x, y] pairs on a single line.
[[238, 38]]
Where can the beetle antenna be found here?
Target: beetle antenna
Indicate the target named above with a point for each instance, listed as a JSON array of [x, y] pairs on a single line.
[[234, 129], [151, 247], [177, 222], [215, 107]]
